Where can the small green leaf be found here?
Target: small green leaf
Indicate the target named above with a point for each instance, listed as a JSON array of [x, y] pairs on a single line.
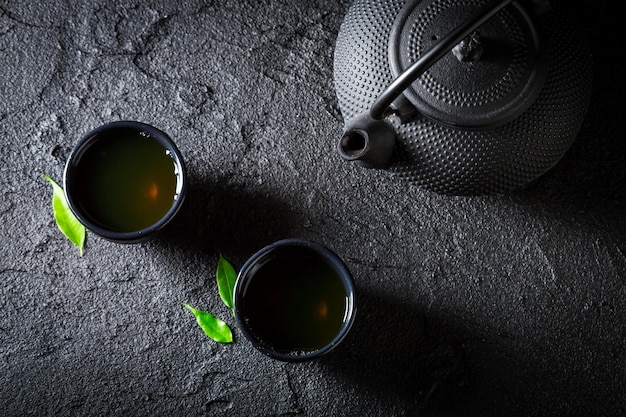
[[213, 327], [226, 277], [67, 222]]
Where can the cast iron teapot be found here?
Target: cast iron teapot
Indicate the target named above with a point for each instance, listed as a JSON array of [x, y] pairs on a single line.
[[460, 96]]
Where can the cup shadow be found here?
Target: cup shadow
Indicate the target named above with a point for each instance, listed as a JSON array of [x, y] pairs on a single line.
[[399, 351], [429, 362], [219, 217]]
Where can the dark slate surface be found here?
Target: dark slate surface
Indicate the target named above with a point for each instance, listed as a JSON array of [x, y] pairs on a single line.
[[494, 305]]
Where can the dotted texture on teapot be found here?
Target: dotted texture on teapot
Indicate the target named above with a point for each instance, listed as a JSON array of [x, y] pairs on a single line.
[[458, 160]]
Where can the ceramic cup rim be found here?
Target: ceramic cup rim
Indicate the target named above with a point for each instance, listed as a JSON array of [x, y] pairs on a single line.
[[71, 167], [338, 265]]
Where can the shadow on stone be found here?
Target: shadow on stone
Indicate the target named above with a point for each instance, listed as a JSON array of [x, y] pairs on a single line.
[[591, 175], [219, 217], [397, 350], [434, 363]]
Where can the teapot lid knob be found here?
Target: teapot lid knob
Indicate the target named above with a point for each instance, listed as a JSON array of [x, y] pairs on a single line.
[[469, 49]]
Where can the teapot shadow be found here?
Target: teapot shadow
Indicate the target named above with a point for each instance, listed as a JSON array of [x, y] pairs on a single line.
[[590, 178]]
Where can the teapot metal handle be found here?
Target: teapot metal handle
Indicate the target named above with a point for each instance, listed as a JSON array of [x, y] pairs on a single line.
[[379, 108]]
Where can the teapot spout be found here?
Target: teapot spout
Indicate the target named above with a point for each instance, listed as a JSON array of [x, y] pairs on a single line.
[[367, 141]]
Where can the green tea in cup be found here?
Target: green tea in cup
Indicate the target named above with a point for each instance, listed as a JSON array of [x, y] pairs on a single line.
[[294, 300], [125, 181]]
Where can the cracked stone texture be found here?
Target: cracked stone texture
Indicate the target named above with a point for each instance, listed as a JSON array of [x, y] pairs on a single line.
[[493, 305]]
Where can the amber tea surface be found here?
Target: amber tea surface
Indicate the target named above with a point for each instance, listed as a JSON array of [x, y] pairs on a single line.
[[127, 180]]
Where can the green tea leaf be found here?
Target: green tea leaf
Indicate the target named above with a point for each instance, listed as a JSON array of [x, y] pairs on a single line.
[[226, 277], [67, 222], [213, 327]]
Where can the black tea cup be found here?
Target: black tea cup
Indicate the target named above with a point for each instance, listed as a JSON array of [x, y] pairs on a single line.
[[294, 300], [125, 181]]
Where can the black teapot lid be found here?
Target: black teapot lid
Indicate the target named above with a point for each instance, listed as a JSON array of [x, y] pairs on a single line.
[[491, 77]]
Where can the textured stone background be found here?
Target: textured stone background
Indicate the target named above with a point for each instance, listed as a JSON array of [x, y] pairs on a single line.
[[496, 305]]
